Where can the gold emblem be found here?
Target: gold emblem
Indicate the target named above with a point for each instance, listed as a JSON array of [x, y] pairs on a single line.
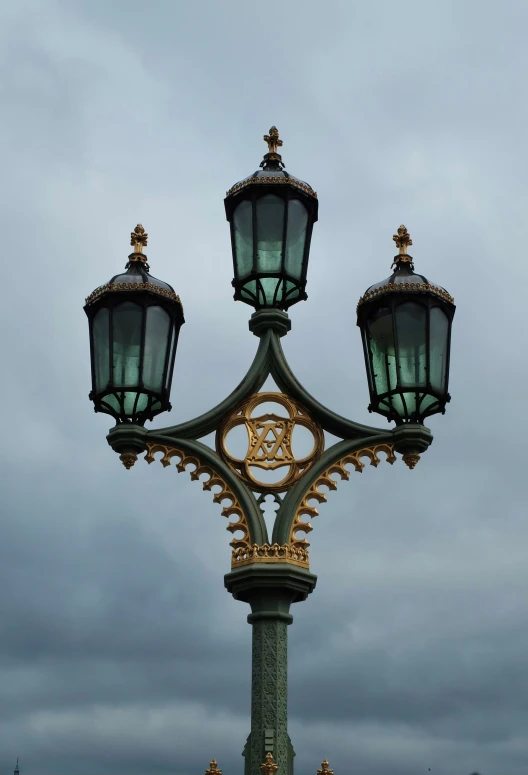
[[268, 766], [270, 439]]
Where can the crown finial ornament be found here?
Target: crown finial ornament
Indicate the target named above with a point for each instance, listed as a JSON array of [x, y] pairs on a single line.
[[268, 767], [273, 140], [138, 240], [325, 768], [403, 240], [213, 768], [272, 160]]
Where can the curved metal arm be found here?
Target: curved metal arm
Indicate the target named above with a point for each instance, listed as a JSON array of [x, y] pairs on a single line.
[[287, 513], [330, 421], [206, 461], [209, 421]]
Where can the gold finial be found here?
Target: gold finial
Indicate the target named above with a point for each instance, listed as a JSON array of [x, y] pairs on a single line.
[[138, 238], [402, 240], [410, 459], [325, 769], [273, 140], [213, 770], [268, 767]]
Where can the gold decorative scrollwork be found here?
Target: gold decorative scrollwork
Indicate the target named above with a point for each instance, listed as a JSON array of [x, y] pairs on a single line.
[[325, 479], [224, 493], [270, 442], [294, 555]]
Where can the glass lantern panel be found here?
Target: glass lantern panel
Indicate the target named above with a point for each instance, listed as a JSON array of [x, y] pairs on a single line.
[[412, 344], [156, 346], [249, 291], [404, 404], [130, 405], [126, 323], [292, 291], [269, 287], [438, 333], [381, 346], [270, 227], [174, 340], [243, 225], [101, 349], [295, 237]]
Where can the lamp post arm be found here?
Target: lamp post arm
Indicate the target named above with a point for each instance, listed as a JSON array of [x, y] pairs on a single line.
[[333, 423], [209, 421], [331, 461], [237, 500]]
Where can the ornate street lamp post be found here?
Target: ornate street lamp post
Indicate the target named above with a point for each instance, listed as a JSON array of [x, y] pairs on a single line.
[[405, 323]]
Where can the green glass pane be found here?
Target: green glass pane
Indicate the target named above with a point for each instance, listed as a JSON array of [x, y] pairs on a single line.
[[249, 291], [126, 326], [243, 225], [101, 345], [427, 402], [269, 288], [270, 227], [156, 345], [412, 344], [295, 237], [171, 356], [381, 346], [292, 290], [112, 401], [130, 402], [404, 404], [438, 333]]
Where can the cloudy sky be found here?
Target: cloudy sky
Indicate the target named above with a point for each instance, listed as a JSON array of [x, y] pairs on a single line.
[[120, 651]]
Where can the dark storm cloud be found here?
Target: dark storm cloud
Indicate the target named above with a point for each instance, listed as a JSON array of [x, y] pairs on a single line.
[[120, 651]]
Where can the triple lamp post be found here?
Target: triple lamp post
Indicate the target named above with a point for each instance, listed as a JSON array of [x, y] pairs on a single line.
[[134, 323]]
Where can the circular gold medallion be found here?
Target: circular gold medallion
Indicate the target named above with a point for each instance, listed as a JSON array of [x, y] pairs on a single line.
[[270, 440]]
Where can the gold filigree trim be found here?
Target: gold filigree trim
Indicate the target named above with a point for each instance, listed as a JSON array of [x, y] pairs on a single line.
[[269, 179], [325, 479], [293, 555], [234, 509], [405, 287], [110, 287]]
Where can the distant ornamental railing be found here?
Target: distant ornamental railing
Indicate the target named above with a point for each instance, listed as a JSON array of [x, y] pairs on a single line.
[[268, 767]]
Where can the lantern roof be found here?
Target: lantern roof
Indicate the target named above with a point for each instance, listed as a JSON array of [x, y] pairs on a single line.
[[272, 170], [137, 276], [404, 278]]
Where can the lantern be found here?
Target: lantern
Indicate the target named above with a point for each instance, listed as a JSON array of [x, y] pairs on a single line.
[[271, 215], [134, 323], [405, 324]]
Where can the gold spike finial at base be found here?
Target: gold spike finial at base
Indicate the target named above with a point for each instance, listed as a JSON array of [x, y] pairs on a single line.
[[325, 768], [273, 140], [213, 768], [402, 239], [268, 767], [128, 459], [410, 459]]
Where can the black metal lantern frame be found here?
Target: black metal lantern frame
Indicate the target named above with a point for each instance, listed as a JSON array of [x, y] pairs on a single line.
[[404, 402], [136, 401], [289, 288]]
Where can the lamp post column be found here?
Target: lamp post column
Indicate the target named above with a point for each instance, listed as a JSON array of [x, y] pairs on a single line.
[[270, 589]]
